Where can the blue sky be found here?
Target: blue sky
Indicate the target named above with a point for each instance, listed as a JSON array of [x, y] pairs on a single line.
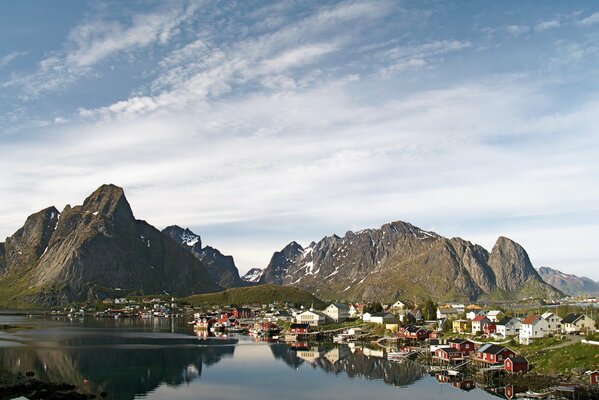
[[257, 123]]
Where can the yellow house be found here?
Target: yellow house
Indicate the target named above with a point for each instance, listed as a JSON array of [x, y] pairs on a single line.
[[392, 327], [462, 326]]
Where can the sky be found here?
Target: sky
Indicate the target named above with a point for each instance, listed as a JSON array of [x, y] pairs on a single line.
[[256, 123]]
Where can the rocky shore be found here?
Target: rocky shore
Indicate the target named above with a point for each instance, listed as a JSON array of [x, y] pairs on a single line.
[[26, 385]]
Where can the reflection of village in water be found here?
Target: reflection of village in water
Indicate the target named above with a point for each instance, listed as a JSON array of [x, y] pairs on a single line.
[[353, 360], [152, 354]]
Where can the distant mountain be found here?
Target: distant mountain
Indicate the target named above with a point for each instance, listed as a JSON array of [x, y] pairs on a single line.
[[253, 275], [91, 251], [401, 260], [222, 268], [570, 284]]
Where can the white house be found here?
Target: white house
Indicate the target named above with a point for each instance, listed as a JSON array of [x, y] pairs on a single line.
[[382, 318], [366, 317], [314, 318], [478, 323], [508, 326], [474, 313], [577, 323], [554, 322], [494, 315], [533, 327], [338, 312], [353, 311]]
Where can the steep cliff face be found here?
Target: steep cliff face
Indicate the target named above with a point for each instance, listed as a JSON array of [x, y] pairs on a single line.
[[511, 265], [568, 283], [401, 260], [94, 249], [221, 267]]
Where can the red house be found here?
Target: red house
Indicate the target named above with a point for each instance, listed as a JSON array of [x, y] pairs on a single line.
[[516, 364], [463, 345], [449, 354], [299, 328], [413, 332], [593, 377], [489, 328], [494, 354]]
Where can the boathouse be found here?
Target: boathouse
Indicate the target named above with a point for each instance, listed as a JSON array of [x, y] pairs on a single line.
[[299, 329], [516, 364], [493, 354], [449, 354], [463, 345]]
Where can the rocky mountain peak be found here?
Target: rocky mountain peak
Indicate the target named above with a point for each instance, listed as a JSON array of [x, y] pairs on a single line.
[[253, 275], [292, 250], [510, 264], [183, 236], [110, 201]]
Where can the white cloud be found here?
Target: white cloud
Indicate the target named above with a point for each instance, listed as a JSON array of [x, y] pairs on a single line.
[[590, 20], [10, 57], [320, 158], [93, 42], [546, 25], [517, 30]]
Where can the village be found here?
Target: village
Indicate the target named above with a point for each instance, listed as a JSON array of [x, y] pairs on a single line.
[[453, 340]]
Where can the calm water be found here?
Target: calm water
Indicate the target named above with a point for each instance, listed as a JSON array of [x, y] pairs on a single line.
[[162, 359]]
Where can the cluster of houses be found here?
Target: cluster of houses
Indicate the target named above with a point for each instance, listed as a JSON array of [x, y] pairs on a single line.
[[391, 316], [495, 324], [488, 355]]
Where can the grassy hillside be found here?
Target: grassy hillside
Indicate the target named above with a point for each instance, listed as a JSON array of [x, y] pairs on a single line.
[[261, 294]]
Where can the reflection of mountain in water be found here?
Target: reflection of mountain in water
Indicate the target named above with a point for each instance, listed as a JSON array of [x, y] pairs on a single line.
[[122, 371], [338, 359]]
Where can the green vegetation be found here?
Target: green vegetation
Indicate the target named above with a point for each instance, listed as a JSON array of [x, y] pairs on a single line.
[[14, 291], [564, 359], [262, 294]]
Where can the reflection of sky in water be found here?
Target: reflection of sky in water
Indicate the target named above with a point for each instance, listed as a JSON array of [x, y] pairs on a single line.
[[158, 359]]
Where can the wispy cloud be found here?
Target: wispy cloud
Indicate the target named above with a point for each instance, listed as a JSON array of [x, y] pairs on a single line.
[[546, 25], [93, 42], [401, 58], [10, 57], [590, 20], [517, 30]]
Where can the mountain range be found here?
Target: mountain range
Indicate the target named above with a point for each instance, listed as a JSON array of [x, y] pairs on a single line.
[[98, 250], [569, 284], [400, 260]]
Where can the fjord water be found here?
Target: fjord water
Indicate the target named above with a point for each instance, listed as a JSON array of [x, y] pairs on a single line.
[[162, 358]]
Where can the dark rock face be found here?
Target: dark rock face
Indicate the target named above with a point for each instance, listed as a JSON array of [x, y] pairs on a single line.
[[279, 264], [570, 284], [222, 268], [97, 248], [31, 241], [401, 260]]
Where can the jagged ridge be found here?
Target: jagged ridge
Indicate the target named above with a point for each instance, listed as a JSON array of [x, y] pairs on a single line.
[[401, 260]]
